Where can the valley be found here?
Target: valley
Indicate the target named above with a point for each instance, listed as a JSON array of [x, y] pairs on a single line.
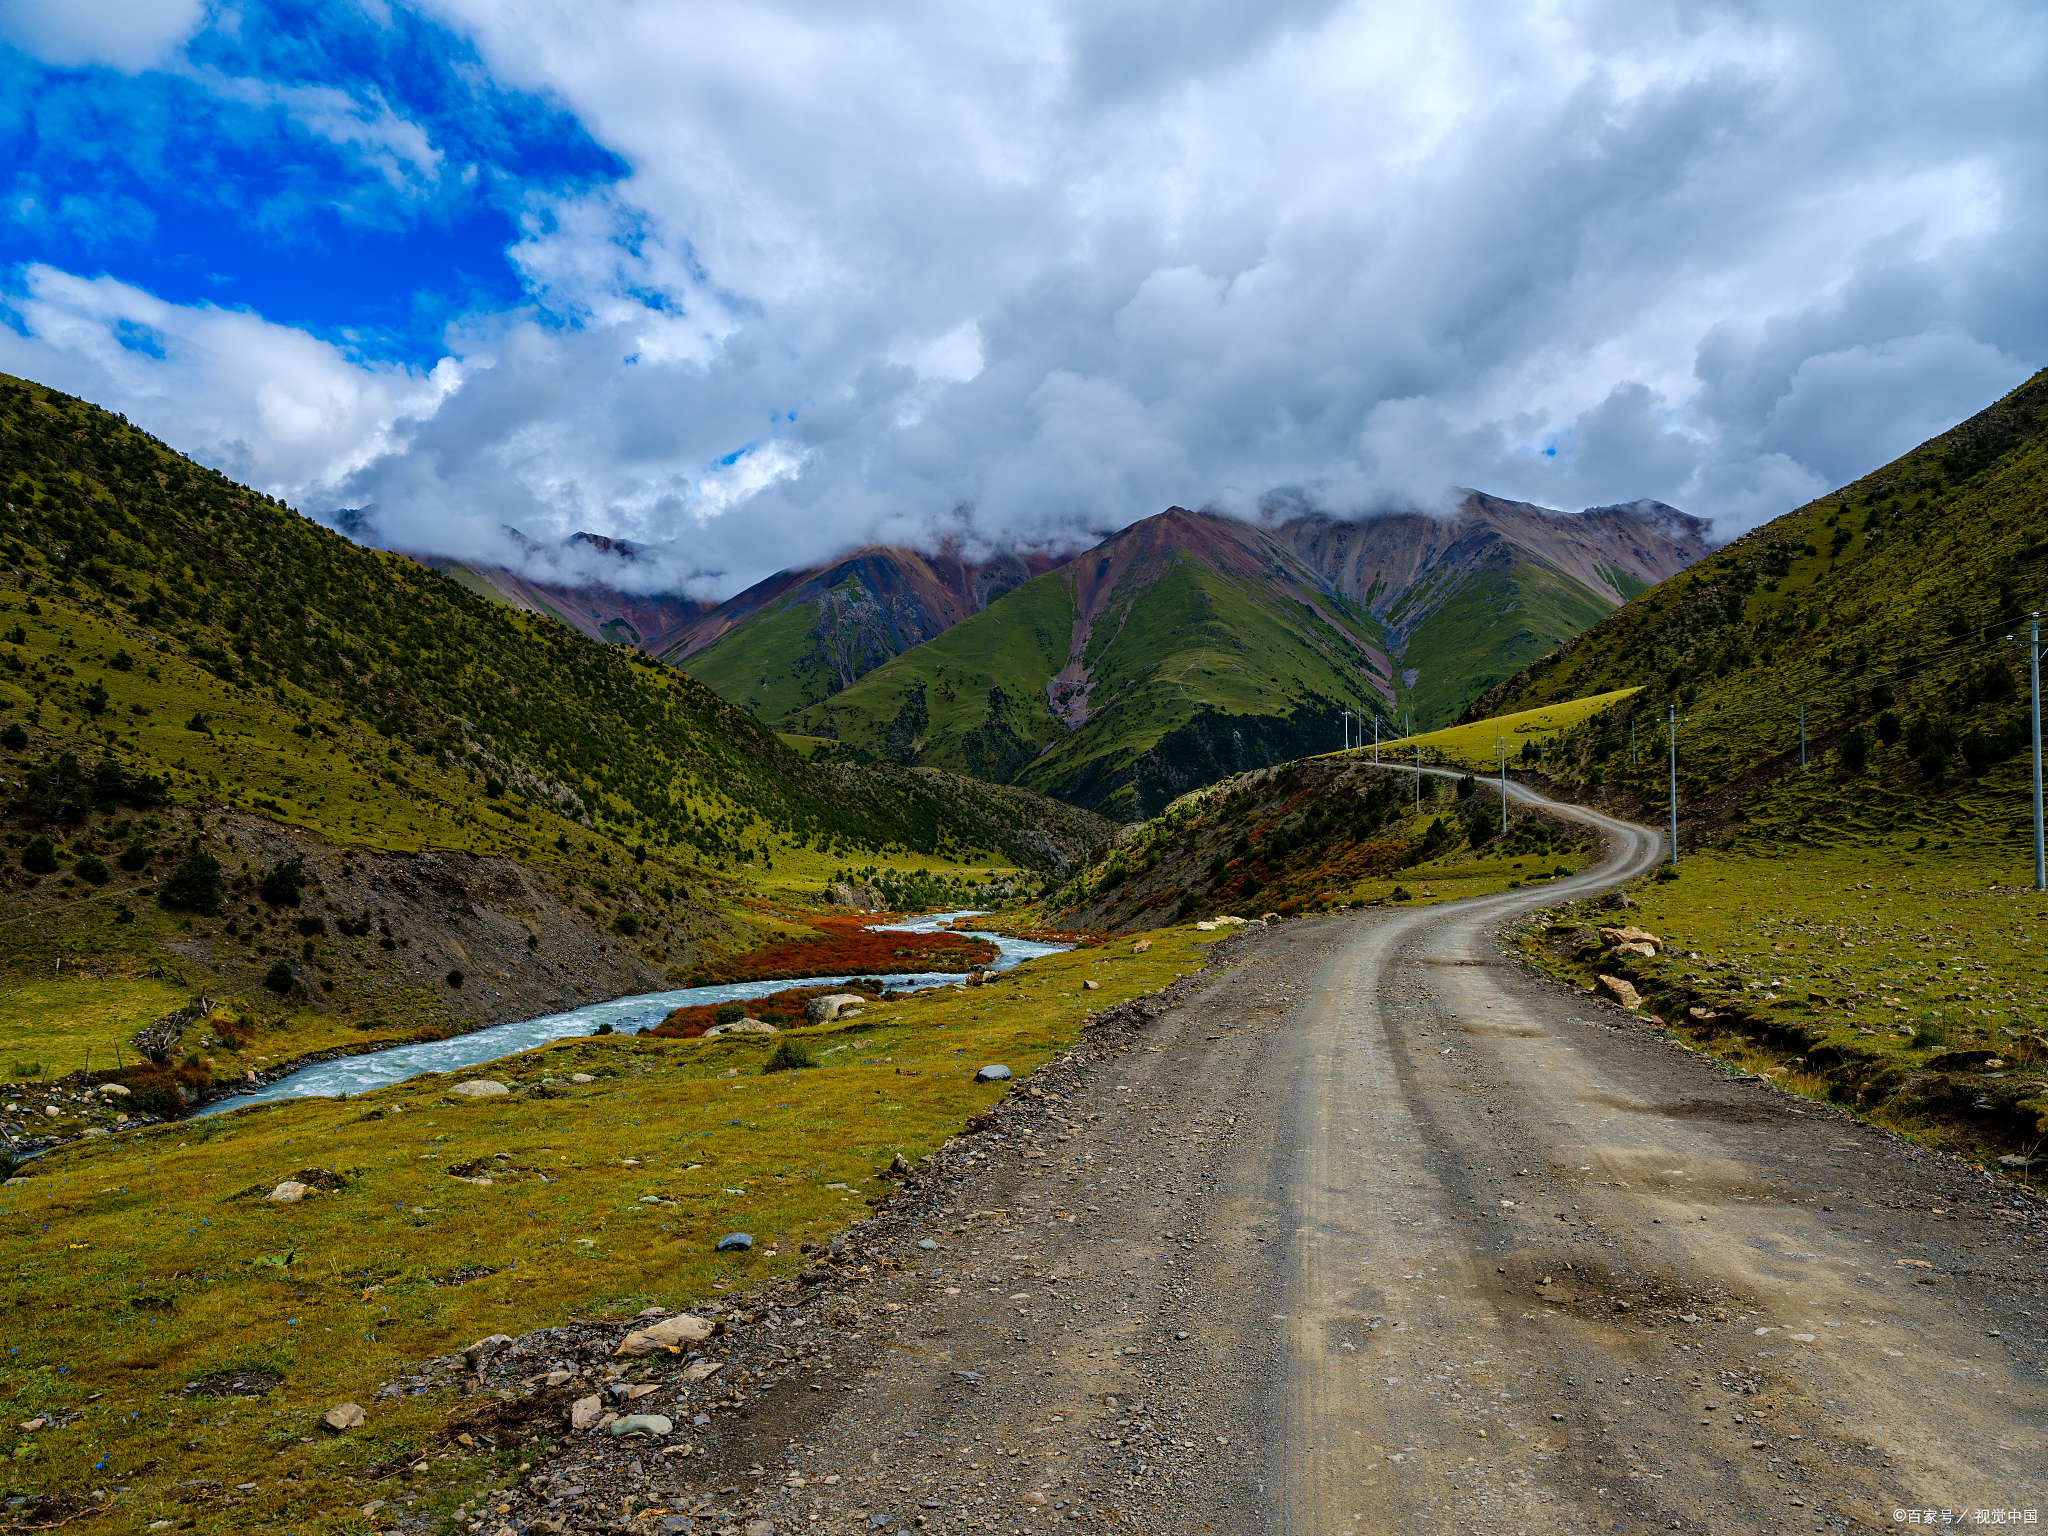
[[239, 841]]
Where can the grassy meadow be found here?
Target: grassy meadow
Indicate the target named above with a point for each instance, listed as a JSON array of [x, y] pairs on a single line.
[[137, 1263], [1890, 971], [1471, 746]]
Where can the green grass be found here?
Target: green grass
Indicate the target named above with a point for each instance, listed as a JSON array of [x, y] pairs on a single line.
[[758, 664], [61, 1022], [1471, 745], [1855, 964], [138, 1263]]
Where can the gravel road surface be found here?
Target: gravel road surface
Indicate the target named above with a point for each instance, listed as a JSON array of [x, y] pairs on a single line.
[[1366, 1228]]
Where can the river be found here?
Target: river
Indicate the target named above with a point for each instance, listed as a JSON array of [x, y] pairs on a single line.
[[378, 1069]]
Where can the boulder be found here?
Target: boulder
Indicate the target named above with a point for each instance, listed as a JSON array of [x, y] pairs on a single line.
[[286, 1193], [1632, 935], [642, 1424], [742, 1027], [1206, 927], [486, 1349], [1141, 946], [585, 1412], [581, 1077], [1091, 986], [735, 1242], [480, 1088], [669, 1333], [1647, 951], [826, 1010], [342, 1416], [993, 1073], [1621, 992], [118, 1090]]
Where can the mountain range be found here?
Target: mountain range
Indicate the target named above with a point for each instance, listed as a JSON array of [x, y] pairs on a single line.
[[1184, 647]]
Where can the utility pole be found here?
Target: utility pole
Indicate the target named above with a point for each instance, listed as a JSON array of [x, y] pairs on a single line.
[[1674, 786], [1631, 741], [1375, 737], [1802, 734], [1501, 745], [2034, 677], [1418, 761], [1347, 730]]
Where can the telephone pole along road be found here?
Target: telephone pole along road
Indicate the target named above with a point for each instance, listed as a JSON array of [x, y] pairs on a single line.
[[1366, 1228]]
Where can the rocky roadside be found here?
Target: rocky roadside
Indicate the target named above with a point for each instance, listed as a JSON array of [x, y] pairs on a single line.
[[746, 1409]]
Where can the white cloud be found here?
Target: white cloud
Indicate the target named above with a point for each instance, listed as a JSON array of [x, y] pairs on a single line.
[[127, 34], [988, 271]]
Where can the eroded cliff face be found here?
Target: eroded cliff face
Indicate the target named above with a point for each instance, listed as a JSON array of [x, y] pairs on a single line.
[[391, 927]]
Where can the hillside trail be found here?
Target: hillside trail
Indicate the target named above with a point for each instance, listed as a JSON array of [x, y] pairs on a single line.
[[1365, 1228]]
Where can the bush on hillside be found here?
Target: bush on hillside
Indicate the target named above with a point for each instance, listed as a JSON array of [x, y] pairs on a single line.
[[282, 882], [789, 1055], [39, 858], [728, 1013], [1889, 730], [279, 978], [1854, 750], [194, 885], [93, 871], [1467, 786]]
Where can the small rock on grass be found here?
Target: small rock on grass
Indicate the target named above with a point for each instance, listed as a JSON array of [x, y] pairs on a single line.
[[993, 1073], [342, 1416], [480, 1088], [581, 1077], [735, 1242], [1141, 946], [287, 1192]]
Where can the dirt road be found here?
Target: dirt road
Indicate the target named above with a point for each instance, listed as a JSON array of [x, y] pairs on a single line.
[[1365, 1228]]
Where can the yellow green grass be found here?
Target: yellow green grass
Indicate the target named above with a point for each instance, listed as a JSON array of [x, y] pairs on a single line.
[[1890, 952], [61, 1021], [1499, 866], [1471, 747], [138, 1263]]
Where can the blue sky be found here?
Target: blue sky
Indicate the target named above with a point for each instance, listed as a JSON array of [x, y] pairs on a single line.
[[753, 283]]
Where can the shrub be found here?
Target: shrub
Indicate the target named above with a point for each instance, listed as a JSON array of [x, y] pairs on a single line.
[[602, 1029], [282, 882], [789, 1055], [1889, 730], [728, 1013], [456, 978], [626, 925], [91, 870], [1400, 893], [1667, 872], [195, 884], [1854, 750], [494, 786], [39, 858], [14, 738], [1467, 787], [312, 925], [134, 856], [279, 978]]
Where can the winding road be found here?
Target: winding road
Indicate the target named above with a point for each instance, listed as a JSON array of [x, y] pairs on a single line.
[[1366, 1228]]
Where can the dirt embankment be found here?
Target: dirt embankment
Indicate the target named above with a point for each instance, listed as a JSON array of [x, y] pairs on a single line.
[[391, 928]]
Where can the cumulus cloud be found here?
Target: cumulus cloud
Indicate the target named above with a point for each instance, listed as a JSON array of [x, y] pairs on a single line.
[[1027, 271], [126, 34]]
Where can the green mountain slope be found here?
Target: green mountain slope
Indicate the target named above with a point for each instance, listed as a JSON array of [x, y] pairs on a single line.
[[801, 636], [1191, 646], [183, 658], [1882, 608], [1166, 656]]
